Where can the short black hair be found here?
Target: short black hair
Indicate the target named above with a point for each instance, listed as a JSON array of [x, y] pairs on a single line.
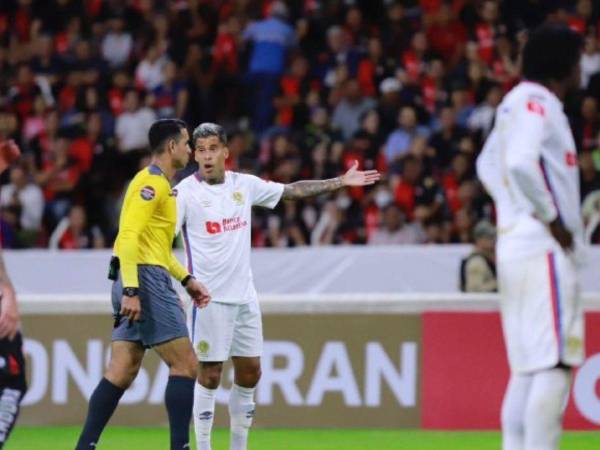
[[208, 129], [163, 130], [551, 53]]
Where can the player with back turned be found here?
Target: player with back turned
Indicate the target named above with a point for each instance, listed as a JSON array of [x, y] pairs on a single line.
[[214, 209], [529, 166], [148, 313]]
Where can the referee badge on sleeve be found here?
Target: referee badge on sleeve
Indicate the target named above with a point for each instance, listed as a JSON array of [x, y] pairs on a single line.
[[148, 193]]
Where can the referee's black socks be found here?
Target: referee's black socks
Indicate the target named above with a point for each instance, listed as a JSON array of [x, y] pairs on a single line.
[[179, 400], [103, 403]]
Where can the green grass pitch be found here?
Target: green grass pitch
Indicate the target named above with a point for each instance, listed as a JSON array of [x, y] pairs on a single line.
[[120, 438]]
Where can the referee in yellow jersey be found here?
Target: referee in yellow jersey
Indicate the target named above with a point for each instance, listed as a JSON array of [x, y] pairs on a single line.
[[147, 309]]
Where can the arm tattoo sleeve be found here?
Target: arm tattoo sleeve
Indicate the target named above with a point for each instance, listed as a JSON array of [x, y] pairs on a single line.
[[310, 188]]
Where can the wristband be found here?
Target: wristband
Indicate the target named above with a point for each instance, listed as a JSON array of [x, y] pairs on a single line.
[[130, 291], [186, 279]]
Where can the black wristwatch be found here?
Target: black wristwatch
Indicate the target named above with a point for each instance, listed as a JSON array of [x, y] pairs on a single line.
[[186, 279], [130, 291]]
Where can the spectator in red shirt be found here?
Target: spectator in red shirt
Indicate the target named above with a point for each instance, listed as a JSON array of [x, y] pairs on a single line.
[[446, 34], [73, 232], [418, 196], [58, 178], [294, 87], [488, 29], [23, 93]]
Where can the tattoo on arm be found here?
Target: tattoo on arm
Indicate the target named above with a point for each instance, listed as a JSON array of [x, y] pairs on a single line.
[[310, 188]]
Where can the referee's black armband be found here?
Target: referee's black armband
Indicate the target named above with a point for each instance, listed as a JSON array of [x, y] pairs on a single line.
[[186, 279]]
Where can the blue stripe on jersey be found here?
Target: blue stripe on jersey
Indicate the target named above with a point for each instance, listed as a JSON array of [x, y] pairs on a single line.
[[190, 267]]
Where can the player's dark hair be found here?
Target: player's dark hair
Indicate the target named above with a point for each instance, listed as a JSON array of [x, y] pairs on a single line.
[[208, 129], [162, 130], [551, 53]]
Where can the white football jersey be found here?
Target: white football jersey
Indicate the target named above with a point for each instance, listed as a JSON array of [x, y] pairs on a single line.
[[215, 222], [529, 167]]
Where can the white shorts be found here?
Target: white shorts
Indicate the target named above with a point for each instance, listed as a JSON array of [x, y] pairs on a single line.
[[542, 312], [223, 330]]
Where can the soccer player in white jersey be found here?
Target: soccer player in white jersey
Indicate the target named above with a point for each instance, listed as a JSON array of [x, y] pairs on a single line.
[[529, 167], [214, 213]]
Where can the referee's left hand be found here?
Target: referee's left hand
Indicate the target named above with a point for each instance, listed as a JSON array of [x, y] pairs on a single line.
[[198, 293]]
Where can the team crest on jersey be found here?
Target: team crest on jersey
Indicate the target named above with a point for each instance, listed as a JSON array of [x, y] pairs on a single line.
[[148, 193], [202, 347], [238, 197]]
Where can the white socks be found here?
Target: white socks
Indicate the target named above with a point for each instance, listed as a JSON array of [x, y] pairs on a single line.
[[533, 408], [513, 412], [241, 413], [545, 406], [204, 413]]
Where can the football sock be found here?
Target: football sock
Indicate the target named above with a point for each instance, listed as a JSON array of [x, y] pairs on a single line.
[[10, 398], [179, 400], [513, 412], [204, 413], [546, 403], [241, 413], [103, 402]]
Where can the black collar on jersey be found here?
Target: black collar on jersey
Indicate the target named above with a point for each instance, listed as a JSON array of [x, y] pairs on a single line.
[[155, 170]]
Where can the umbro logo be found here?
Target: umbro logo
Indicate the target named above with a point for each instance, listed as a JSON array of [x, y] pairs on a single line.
[[205, 415]]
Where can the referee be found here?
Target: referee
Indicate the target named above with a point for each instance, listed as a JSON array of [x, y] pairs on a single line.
[[147, 309]]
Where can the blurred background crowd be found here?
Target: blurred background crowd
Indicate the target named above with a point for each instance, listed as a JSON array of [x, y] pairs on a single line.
[[303, 87]]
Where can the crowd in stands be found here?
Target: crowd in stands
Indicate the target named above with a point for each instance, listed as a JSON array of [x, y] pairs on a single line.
[[303, 87]]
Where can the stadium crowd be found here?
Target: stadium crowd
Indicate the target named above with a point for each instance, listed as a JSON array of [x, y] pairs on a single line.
[[304, 87]]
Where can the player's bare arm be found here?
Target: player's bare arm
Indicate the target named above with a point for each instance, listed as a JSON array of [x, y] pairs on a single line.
[[9, 312], [311, 188]]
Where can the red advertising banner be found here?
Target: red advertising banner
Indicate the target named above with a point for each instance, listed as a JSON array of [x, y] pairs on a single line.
[[465, 373]]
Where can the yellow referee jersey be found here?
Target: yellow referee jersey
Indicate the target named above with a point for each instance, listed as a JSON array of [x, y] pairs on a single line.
[[147, 226]]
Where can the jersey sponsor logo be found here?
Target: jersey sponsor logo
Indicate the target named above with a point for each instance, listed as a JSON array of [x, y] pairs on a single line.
[[148, 193], [230, 224], [238, 198], [173, 193], [536, 108], [213, 227], [571, 159]]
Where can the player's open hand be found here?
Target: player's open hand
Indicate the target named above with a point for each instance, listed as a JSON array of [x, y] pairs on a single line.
[[355, 177], [131, 308], [9, 315], [198, 293]]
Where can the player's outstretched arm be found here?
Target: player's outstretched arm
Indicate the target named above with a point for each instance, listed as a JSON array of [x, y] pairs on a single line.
[[310, 188]]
